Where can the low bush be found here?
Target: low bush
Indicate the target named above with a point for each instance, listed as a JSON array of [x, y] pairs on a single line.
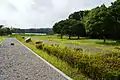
[[78, 49], [117, 48], [39, 45], [39, 42], [23, 37], [98, 67]]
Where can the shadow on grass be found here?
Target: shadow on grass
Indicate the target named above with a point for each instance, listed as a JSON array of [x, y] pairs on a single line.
[[81, 38], [73, 39], [117, 42]]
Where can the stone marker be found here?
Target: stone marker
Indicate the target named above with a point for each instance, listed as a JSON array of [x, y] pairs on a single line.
[[28, 39], [12, 43]]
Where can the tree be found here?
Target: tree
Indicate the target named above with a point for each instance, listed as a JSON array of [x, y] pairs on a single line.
[[1, 32], [100, 22], [114, 11], [96, 22], [6, 31], [63, 27], [1, 26], [70, 27], [78, 15], [59, 27], [79, 29]]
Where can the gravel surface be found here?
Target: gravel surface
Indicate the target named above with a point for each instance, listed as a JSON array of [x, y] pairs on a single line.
[[19, 63]]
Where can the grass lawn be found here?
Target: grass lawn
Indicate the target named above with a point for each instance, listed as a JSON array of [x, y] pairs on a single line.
[[1, 39], [60, 64], [92, 43]]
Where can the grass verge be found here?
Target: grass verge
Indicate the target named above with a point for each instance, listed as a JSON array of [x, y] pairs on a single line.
[[1, 39]]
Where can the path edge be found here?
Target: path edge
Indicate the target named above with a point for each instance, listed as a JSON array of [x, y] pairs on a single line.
[[63, 74]]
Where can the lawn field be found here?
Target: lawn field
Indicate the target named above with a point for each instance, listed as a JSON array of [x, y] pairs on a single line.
[[110, 45]]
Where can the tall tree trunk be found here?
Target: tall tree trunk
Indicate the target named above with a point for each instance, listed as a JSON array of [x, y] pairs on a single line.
[[69, 37], [78, 37], [61, 36], [104, 39]]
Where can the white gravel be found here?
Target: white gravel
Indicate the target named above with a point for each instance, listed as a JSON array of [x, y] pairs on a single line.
[[19, 63]]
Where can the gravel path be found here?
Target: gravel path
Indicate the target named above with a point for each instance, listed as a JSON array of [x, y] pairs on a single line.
[[19, 63]]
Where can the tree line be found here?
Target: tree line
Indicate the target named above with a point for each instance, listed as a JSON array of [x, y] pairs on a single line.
[[8, 31], [34, 30], [5, 30], [101, 22]]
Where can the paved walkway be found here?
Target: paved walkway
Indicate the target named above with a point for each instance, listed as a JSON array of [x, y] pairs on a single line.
[[19, 63]]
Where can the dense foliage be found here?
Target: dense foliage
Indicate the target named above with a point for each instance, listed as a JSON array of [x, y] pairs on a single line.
[[5, 30], [101, 22], [33, 30], [70, 27]]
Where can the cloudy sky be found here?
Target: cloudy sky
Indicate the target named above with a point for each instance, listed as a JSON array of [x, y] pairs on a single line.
[[41, 13]]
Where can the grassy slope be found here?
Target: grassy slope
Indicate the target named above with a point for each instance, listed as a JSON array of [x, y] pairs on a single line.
[[63, 66]]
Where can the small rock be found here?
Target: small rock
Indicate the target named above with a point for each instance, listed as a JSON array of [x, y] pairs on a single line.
[[12, 43], [28, 39], [23, 37]]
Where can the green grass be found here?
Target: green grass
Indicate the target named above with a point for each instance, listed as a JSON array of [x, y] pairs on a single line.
[[110, 45], [1, 38], [91, 43], [60, 64]]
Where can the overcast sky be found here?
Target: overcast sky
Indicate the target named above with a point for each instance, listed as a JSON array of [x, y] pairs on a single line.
[[41, 13]]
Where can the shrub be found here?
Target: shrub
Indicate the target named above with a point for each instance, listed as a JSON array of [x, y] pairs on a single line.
[[23, 37], [39, 42], [78, 49], [39, 45], [117, 48]]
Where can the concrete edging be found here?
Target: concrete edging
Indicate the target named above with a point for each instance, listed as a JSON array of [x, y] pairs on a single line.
[[46, 62]]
